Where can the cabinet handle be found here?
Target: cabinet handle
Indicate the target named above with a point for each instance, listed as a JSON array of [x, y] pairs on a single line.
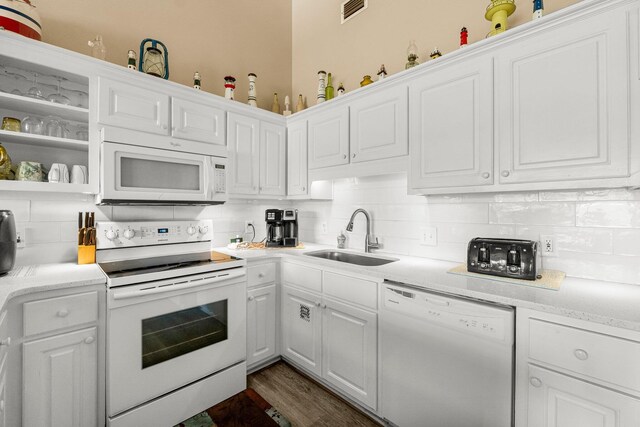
[[505, 173], [535, 381], [344, 156], [317, 303], [304, 189], [175, 144], [486, 175], [89, 340], [165, 127], [5, 342], [324, 305], [260, 188], [2, 406], [250, 298], [261, 275], [62, 313], [353, 155], [581, 354]]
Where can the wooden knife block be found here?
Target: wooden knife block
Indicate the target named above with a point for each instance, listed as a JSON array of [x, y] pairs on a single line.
[[87, 254]]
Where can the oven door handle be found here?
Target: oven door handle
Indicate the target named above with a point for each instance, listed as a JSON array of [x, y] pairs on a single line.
[[138, 293]]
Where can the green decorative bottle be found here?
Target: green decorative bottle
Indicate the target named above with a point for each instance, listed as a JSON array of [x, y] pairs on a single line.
[[329, 89]]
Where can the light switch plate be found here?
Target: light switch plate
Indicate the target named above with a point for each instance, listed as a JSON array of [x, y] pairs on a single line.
[[428, 236], [324, 228], [21, 235]]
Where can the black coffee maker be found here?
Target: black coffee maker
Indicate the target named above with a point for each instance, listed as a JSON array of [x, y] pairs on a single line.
[[282, 228], [8, 243]]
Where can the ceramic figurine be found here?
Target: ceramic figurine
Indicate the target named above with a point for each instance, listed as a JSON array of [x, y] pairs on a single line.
[[287, 106], [382, 73], [412, 55], [322, 86], [253, 93], [538, 8], [464, 37], [497, 13], [366, 80], [300, 104], [229, 86], [275, 107], [329, 89], [341, 90], [196, 80], [435, 53], [131, 61]]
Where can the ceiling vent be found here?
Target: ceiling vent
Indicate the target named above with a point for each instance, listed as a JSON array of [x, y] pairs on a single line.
[[351, 8]]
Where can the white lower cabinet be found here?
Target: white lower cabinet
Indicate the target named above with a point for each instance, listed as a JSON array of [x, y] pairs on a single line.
[[261, 324], [557, 400], [60, 376], [335, 340]]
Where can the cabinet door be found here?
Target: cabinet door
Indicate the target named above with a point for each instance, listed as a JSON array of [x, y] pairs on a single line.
[[297, 159], [563, 102], [132, 107], [244, 154], [60, 380], [197, 122], [329, 138], [261, 324], [273, 171], [378, 125], [302, 328], [349, 351], [557, 400], [451, 133]]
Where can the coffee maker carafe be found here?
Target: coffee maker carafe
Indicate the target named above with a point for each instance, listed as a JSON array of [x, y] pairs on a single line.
[[282, 228]]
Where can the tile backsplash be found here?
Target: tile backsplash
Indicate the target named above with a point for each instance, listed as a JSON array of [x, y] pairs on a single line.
[[597, 233]]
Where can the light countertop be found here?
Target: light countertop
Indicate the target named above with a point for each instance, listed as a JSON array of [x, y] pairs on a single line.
[[44, 277], [615, 304]]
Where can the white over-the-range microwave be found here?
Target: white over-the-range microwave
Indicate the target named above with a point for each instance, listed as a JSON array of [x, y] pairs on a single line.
[[137, 168]]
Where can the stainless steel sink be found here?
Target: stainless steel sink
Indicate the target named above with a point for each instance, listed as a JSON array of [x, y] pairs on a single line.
[[351, 258]]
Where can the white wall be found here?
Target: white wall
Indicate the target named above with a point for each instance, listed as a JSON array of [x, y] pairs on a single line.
[[597, 232]]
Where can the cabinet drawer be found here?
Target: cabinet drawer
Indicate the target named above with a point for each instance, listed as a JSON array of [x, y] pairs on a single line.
[[359, 291], [304, 277], [261, 274], [602, 357], [57, 313]]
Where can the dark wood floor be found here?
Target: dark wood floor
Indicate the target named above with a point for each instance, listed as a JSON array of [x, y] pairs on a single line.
[[302, 401]]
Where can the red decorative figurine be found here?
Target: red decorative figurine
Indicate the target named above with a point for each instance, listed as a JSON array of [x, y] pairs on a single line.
[[464, 34]]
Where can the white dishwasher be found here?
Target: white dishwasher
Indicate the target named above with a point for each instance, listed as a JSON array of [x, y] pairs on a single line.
[[446, 361]]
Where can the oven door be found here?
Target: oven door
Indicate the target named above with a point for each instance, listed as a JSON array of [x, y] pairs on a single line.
[[132, 174], [164, 335]]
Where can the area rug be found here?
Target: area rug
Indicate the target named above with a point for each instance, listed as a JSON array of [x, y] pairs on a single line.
[[245, 409]]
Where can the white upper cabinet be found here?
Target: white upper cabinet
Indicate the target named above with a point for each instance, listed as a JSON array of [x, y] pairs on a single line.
[[273, 170], [132, 107], [562, 103], [378, 125], [197, 122], [329, 138], [244, 155], [297, 159], [451, 131]]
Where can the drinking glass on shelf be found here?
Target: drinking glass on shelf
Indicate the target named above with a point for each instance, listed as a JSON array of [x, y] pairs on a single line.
[[66, 133], [33, 125], [52, 127], [34, 91], [58, 97], [10, 80], [82, 133], [83, 99]]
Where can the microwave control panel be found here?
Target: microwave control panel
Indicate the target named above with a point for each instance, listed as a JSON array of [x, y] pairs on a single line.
[[219, 178], [147, 233]]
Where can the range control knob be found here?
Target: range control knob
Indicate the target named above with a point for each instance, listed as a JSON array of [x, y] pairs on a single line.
[[129, 233], [203, 229], [191, 230], [111, 234]]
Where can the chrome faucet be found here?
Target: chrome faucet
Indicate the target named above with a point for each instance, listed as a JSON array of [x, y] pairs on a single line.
[[368, 238]]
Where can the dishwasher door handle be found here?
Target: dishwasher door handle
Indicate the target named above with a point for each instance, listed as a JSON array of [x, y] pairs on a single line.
[[442, 303]]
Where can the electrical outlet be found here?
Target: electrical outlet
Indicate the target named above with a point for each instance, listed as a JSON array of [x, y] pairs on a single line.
[[21, 236], [324, 228], [248, 226], [428, 236], [548, 245]]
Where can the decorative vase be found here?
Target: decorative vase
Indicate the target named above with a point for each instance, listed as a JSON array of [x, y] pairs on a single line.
[[253, 94], [275, 106], [322, 86], [300, 104]]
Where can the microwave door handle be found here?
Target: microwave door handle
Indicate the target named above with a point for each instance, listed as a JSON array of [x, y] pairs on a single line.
[[120, 295], [209, 179]]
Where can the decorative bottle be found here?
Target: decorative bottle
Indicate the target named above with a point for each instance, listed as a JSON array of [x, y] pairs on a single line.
[[275, 106], [329, 89], [131, 60], [229, 86], [196, 80], [321, 87], [300, 104], [253, 94], [98, 49]]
